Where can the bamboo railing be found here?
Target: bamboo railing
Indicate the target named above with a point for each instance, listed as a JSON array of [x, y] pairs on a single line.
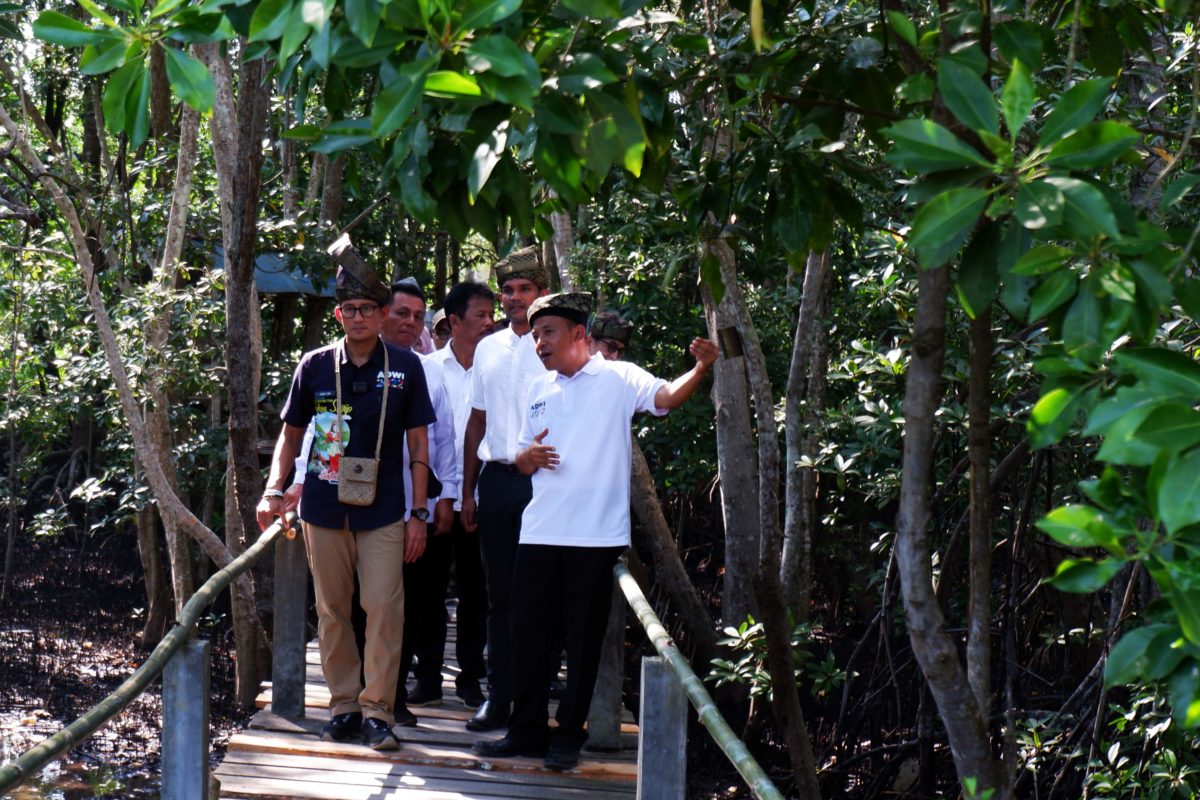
[[733, 747], [17, 771]]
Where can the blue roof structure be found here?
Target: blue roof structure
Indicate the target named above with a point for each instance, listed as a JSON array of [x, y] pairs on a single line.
[[273, 276]]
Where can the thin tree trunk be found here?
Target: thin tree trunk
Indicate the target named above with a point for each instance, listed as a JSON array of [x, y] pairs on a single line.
[[160, 94], [979, 450], [669, 572], [291, 160], [331, 193], [563, 241], [800, 482], [157, 598], [735, 458], [11, 528], [316, 179], [933, 648]]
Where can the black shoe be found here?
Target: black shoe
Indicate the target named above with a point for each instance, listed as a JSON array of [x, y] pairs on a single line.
[[507, 748], [342, 727], [377, 735], [425, 696], [556, 689], [490, 717], [404, 717], [561, 757], [470, 695]]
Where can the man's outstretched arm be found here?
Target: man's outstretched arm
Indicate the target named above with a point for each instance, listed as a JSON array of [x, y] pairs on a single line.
[[676, 393]]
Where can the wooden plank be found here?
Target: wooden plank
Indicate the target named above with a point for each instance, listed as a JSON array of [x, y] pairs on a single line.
[[240, 763], [427, 717], [419, 753], [276, 789]]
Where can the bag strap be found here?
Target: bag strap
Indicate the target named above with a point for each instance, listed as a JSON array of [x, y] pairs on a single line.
[[337, 380]]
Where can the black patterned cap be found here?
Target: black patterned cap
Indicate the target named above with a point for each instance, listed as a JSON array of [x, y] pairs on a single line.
[[575, 306], [611, 325], [525, 264], [367, 286]]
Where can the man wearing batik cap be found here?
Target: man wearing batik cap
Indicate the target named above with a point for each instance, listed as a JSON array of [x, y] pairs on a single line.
[[609, 335], [575, 443], [343, 389], [504, 365]]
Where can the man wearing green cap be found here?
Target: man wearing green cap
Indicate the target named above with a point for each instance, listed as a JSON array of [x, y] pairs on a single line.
[[505, 363], [575, 443], [367, 399], [609, 335]]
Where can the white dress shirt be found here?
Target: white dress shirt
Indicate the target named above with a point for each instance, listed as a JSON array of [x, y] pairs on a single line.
[[503, 368], [457, 382]]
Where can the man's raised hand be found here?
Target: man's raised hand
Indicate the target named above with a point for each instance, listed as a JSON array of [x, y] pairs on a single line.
[[537, 455], [705, 352]]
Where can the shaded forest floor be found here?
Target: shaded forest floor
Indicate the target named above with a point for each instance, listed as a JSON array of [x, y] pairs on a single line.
[[70, 633]]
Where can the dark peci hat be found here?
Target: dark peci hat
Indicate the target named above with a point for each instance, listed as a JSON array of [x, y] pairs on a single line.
[[365, 286], [575, 306], [611, 325], [525, 263], [409, 285]]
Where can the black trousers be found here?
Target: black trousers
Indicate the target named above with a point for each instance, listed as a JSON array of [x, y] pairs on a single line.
[[567, 589], [503, 495], [425, 618]]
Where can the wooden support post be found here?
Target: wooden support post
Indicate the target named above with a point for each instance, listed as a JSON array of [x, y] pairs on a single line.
[[662, 734], [185, 723], [604, 716], [291, 628]]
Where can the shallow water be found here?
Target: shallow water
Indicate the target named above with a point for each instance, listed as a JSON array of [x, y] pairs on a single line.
[[72, 780]]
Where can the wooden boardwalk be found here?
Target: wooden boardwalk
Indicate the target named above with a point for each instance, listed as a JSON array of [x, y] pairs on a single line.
[[279, 758]]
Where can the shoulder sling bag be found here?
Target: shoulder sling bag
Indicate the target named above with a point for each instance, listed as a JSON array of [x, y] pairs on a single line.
[[357, 477]]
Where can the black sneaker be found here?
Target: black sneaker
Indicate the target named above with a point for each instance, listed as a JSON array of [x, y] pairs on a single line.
[[561, 757], [425, 696], [342, 727], [507, 748], [470, 694], [404, 717], [377, 735]]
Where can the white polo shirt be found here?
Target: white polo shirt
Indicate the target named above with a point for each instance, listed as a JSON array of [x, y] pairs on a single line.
[[503, 368], [584, 501], [457, 382]]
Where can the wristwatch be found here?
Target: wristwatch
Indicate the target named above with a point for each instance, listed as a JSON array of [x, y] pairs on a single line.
[[421, 513]]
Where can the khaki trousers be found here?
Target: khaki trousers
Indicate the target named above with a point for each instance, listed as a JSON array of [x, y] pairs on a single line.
[[378, 556]]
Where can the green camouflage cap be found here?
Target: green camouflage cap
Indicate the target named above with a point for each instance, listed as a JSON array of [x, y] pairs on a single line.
[[611, 325], [526, 264], [575, 306]]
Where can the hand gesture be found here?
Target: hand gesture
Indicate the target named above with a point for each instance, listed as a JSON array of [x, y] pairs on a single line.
[[705, 352], [467, 515], [537, 455], [443, 516]]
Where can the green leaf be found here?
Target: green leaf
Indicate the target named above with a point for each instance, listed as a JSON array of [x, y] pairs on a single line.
[[1177, 191], [1020, 40], [979, 272], [1081, 325], [1042, 259], [1082, 576], [1082, 526], [190, 80], [1039, 205], [1171, 427], [446, 83], [1086, 211], [615, 135], [1185, 707], [98, 59], [486, 156], [967, 96], [99, 13], [56, 28], [924, 146], [1161, 368], [485, 13], [316, 13], [165, 7], [1052, 416], [915, 88], [944, 223], [115, 93], [269, 20], [1164, 653], [363, 18], [396, 102], [1076, 108], [1127, 660], [596, 9], [1186, 602], [498, 54], [1092, 146], [1016, 101], [1179, 493], [903, 27], [1056, 289], [137, 110], [344, 135]]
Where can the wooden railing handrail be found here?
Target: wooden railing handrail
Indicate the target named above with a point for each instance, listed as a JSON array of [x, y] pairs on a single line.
[[17, 771], [733, 747]]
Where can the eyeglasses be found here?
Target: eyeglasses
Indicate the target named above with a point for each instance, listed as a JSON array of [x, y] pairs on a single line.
[[613, 346], [366, 312]]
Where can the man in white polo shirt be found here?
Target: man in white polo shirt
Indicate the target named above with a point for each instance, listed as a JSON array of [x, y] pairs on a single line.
[[505, 364], [575, 443]]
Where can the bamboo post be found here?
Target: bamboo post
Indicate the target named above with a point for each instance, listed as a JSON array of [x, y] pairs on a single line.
[[185, 723], [604, 715], [291, 628], [662, 734]]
